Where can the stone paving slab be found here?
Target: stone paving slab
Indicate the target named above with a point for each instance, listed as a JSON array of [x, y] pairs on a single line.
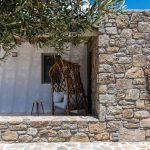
[[77, 146]]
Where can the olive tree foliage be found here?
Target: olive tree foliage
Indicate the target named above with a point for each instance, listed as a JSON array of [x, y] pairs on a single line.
[[50, 23]]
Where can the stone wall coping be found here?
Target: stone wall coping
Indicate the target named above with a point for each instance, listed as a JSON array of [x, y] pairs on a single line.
[[48, 118]]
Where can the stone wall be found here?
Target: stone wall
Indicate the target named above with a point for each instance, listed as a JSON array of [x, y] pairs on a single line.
[[51, 129], [124, 54]]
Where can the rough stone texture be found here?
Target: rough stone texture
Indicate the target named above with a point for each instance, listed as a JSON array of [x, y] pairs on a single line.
[[132, 94], [141, 114], [135, 73], [127, 113], [124, 83], [32, 131], [123, 97], [136, 61], [122, 21], [53, 129], [80, 137], [97, 128], [10, 136], [145, 123], [144, 27], [133, 135], [126, 33], [102, 136]]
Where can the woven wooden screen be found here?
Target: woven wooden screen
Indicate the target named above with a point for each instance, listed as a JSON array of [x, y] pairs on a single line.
[[65, 77]]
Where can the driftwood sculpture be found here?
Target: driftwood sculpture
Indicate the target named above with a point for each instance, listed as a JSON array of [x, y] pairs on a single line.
[[65, 77]]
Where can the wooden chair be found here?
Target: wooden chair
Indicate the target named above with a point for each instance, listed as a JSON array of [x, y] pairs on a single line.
[[65, 77]]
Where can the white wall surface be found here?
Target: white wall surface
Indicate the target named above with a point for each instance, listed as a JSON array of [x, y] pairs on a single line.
[[20, 78]]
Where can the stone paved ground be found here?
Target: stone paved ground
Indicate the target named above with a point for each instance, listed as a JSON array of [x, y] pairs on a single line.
[[77, 146]]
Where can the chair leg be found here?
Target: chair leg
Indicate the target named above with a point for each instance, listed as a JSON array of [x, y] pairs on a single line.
[[32, 108], [42, 107], [37, 108]]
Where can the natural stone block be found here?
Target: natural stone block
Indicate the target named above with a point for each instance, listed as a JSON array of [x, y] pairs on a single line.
[[25, 138], [134, 135], [127, 113], [114, 110], [64, 133], [119, 76], [136, 17], [126, 33], [3, 126], [113, 125], [111, 30], [106, 98], [141, 114], [10, 136], [69, 126], [103, 136], [147, 134], [138, 35], [20, 127], [147, 37], [145, 123], [120, 96], [139, 60], [124, 60], [131, 42], [147, 107], [146, 51], [15, 122], [106, 59], [102, 89], [132, 94], [140, 81], [103, 40], [97, 128], [113, 49], [51, 133], [144, 96], [140, 104], [102, 112], [39, 124], [124, 83], [135, 72], [122, 21], [119, 68], [56, 139], [43, 133], [131, 105], [106, 78], [109, 118], [55, 123], [21, 132], [131, 125], [146, 13], [32, 131], [144, 27], [79, 137], [105, 68]]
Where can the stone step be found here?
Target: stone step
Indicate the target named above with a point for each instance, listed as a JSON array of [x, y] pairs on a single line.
[[76, 146]]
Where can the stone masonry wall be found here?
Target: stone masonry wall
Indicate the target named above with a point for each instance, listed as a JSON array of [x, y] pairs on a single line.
[[124, 54], [51, 129]]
